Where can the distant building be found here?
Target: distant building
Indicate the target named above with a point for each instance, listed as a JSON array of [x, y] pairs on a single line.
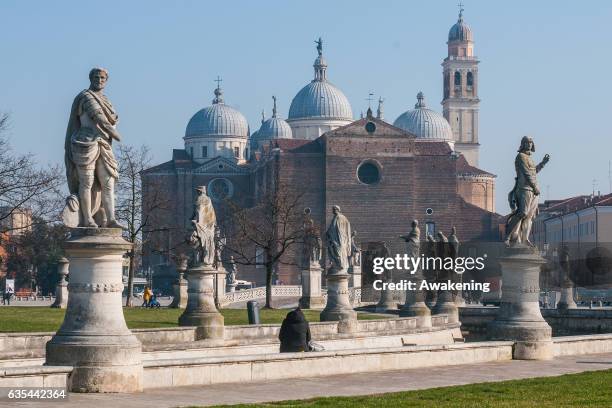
[[382, 175], [15, 221]]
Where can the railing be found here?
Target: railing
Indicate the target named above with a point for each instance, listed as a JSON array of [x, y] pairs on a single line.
[[279, 291]]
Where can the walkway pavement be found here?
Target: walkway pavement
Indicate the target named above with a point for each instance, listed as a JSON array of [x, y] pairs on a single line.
[[345, 385]]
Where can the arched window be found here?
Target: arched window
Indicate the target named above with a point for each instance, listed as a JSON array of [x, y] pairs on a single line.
[[457, 78], [470, 79]]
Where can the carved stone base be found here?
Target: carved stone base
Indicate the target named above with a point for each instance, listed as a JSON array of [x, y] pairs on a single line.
[[338, 307], [230, 287], [180, 293], [201, 310], [312, 296], [61, 290], [566, 300], [386, 302], [94, 337], [446, 305], [519, 318]]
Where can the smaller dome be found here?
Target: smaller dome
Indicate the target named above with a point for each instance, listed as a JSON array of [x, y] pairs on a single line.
[[272, 128], [460, 31], [424, 123]]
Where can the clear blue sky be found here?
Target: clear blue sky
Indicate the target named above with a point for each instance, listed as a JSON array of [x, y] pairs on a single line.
[[545, 69]]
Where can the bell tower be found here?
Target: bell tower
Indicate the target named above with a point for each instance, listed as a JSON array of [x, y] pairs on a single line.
[[460, 104]]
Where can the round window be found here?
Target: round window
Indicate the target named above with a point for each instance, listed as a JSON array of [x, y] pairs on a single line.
[[368, 173], [220, 189], [370, 127]]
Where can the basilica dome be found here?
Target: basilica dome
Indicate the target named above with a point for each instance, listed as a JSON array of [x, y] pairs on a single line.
[[218, 119], [424, 123], [320, 98], [272, 128], [460, 31]]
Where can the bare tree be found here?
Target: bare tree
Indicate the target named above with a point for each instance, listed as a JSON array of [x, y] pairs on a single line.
[[29, 193], [132, 208], [263, 234]]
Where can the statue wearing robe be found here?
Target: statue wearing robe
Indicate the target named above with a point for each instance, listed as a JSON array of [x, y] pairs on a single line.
[[204, 222], [339, 241]]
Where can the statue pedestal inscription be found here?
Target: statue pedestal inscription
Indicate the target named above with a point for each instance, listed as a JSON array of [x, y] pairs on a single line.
[[312, 297], [94, 337], [201, 310], [519, 318], [61, 290]]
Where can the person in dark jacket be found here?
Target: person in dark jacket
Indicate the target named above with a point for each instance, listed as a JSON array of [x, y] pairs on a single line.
[[294, 333]]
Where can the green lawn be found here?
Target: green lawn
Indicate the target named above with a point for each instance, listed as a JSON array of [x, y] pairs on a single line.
[[45, 319], [590, 389]]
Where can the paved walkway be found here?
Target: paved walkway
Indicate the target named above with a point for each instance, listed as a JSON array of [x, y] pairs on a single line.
[[345, 385]]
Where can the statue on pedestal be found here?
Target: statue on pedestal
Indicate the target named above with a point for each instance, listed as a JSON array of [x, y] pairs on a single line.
[[339, 241], [232, 272], [523, 198], [91, 167], [204, 221], [311, 250]]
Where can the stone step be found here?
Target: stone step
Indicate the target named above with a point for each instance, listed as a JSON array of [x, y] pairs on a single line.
[[34, 376]]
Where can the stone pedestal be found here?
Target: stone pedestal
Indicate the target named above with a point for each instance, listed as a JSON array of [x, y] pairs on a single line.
[[519, 318], [355, 276], [230, 287], [446, 305], [338, 306], [61, 290], [201, 310], [180, 292], [94, 338], [566, 300], [219, 285], [415, 304], [312, 296]]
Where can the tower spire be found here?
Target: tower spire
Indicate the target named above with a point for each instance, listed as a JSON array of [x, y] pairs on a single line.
[[379, 111], [218, 91], [420, 101], [320, 66], [274, 107]]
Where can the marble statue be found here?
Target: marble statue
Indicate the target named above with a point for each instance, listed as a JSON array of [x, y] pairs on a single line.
[[220, 242], [339, 241], [413, 240], [232, 272], [91, 167], [319, 43], [355, 251], [204, 222], [523, 198], [311, 251], [453, 243]]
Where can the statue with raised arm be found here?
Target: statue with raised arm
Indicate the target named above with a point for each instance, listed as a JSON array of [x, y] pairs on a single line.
[[339, 241], [203, 222], [319, 43], [413, 240], [91, 168], [523, 198]]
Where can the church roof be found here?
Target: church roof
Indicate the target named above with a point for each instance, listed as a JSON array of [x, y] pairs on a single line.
[[466, 169]]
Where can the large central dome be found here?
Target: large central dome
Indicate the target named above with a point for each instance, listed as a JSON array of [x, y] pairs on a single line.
[[320, 98]]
